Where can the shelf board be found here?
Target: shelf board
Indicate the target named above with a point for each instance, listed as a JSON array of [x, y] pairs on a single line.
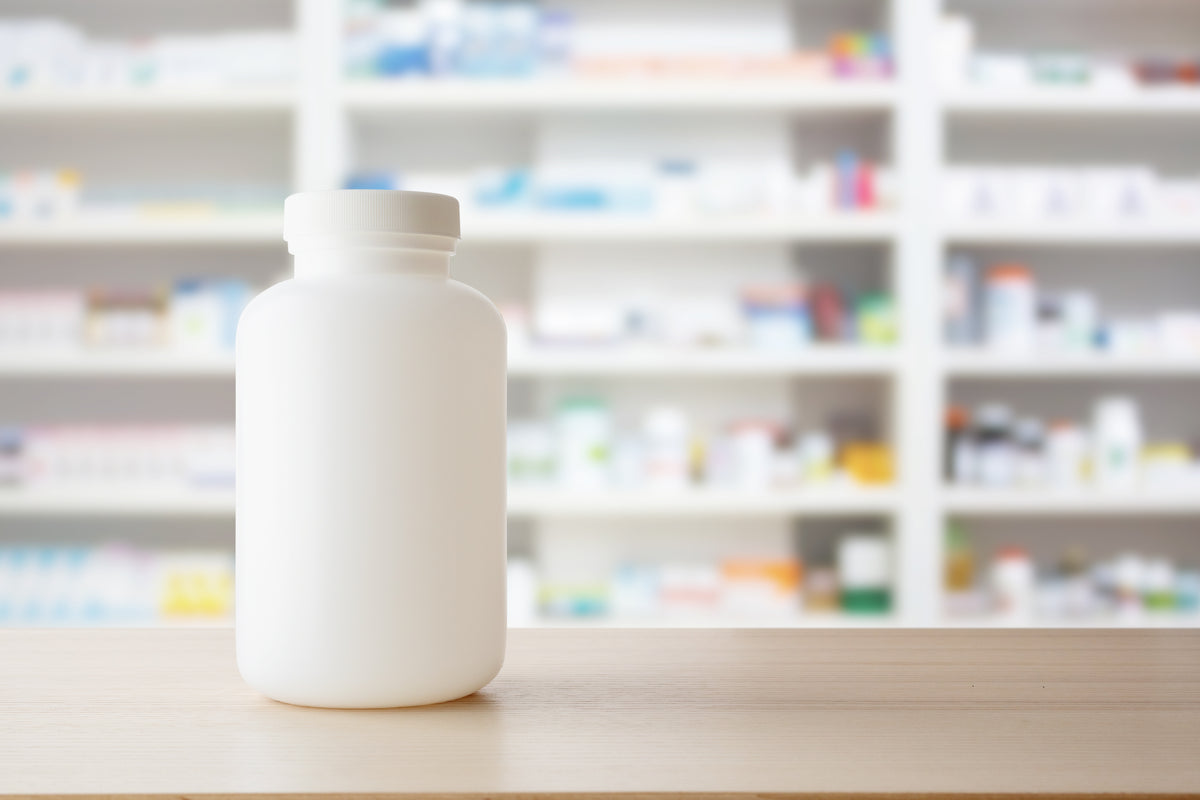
[[1146, 620], [148, 100], [825, 621], [114, 364], [1090, 232], [497, 229], [661, 95], [156, 623], [980, 364], [719, 621], [120, 503], [980, 101], [83, 230], [818, 360], [1079, 502], [522, 502], [834, 620], [565, 228], [825, 501]]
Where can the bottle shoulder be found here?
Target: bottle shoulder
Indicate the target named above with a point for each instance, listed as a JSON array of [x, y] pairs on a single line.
[[472, 297], [373, 296], [265, 300]]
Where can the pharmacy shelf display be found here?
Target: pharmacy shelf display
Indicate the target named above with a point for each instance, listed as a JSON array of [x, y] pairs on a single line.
[[1086, 384], [880, 133]]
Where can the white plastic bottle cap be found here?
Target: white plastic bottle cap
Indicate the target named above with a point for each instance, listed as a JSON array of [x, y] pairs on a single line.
[[370, 217]]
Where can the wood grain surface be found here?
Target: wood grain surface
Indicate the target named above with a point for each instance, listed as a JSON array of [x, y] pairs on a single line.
[[642, 713]]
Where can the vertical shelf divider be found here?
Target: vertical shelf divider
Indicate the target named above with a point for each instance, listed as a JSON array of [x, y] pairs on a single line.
[[321, 141], [918, 393]]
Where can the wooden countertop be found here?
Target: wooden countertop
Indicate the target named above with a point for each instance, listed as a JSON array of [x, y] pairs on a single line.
[[717, 713]]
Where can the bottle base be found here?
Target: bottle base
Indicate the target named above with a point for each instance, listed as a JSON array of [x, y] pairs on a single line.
[[367, 706], [358, 699]]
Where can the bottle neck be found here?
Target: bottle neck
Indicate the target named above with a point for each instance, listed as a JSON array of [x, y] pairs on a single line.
[[350, 260]]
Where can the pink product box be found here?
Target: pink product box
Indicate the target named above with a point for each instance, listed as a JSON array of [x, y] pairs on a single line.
[[42, 319], [130, 456]]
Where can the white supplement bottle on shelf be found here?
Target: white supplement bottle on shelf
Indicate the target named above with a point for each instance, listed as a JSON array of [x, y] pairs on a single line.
[[1117, 443], [371, 462], [1013, 586], [1010, 303]]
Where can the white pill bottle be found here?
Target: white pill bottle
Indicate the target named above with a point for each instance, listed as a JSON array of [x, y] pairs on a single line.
[[370, 462]]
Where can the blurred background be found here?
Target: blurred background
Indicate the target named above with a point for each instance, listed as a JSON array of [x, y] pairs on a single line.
[[821, 312]]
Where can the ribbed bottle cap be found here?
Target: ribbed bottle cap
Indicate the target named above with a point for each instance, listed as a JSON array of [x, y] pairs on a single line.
[[369, 213]]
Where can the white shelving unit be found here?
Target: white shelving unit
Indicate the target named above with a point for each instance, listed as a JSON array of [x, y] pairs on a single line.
[[918, 123], [1078, 126]]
